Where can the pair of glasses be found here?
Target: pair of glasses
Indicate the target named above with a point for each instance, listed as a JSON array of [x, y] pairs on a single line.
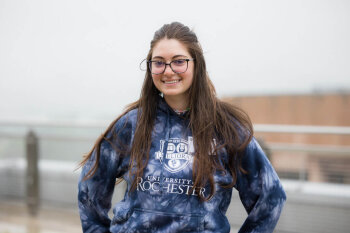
[[178, 66]]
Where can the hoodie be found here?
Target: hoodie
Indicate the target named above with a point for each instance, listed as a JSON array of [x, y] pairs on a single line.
[[165, 199]]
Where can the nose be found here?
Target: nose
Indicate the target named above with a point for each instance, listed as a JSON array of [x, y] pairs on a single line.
[[168, 70]]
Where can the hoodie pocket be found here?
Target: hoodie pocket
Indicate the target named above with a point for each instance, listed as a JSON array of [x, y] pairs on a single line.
[[153, 221]]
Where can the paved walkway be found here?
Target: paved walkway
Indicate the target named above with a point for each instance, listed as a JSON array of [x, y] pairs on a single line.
[[14, 218]]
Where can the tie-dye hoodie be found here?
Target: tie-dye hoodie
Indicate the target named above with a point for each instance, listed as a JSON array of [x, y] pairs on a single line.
[[163, 200]]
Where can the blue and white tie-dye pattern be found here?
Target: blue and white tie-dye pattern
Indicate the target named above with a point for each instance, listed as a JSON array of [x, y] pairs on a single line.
[[163, 200]]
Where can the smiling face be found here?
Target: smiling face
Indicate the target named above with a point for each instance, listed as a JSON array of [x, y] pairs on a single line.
[[174, 86]]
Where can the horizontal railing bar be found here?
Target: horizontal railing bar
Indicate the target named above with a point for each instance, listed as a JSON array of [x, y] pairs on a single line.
[[320, 149], [12, 136], [54, 124], [302, 129], [49, 137]]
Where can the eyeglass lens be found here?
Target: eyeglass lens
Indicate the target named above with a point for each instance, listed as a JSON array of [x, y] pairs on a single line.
[[178, 66]]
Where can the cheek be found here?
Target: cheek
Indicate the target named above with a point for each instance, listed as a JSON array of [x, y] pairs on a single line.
[[189, 77], [156, 80], [190, 73]]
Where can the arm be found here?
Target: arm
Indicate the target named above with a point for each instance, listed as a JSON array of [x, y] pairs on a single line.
[[260, 191], [95, 193]]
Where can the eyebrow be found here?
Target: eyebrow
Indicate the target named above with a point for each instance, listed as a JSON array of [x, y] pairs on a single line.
[[176, 56]]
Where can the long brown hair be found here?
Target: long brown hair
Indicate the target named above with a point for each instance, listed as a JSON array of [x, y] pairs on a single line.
[[209, 118]]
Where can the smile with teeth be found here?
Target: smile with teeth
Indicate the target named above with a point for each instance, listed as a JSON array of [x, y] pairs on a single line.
[[171, 81]]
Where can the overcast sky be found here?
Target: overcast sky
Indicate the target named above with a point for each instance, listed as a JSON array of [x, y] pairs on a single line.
[[79, 59]]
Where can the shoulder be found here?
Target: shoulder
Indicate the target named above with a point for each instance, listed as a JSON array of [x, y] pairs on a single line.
[[253, 145], [254, 157], [126, 119], [123, 127]]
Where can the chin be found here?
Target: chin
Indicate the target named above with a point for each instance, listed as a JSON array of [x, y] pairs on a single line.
[[171, 93]]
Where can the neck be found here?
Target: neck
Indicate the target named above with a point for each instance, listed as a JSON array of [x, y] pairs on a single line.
[[177, 103]]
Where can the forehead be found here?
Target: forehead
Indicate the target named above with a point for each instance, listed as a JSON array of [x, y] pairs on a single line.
[[168, 48]]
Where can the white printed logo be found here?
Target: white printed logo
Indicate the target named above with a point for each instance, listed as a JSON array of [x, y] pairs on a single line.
[[179, 153]]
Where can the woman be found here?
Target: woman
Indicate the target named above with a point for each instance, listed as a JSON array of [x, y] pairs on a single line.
[[181, 151]]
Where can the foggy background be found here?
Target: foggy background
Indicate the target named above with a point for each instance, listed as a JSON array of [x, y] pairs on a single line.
[[79, 60]]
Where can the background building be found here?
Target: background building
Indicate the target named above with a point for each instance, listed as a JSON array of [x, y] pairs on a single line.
[[326, 160]]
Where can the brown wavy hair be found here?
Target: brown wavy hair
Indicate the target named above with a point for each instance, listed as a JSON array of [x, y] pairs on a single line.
[[209, 118]]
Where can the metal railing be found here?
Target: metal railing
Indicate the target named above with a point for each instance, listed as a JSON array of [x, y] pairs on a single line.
[[272, 147]]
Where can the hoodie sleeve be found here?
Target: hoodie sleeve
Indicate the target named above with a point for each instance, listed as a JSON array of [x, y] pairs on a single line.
[[95, 193], [260, 191]]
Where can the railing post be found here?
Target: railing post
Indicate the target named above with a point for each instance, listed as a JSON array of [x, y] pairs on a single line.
[[32, 179]]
